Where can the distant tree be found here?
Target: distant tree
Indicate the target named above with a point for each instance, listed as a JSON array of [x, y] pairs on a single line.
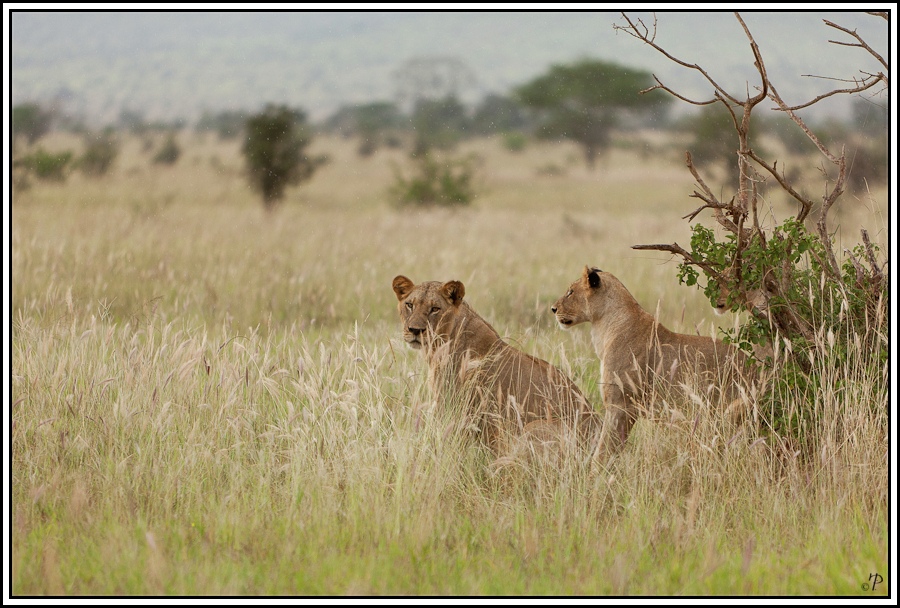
[[133, 121], [712, 128], [274, 150], [784, 130], [438, 123], [870, 117], [432, 78], [499, 114], [431, 89], [864, 140], [870, 147], [373, 123], [100, 151], [227, 124], [584, 101], [169, 152], [31, 121], [868, 167]]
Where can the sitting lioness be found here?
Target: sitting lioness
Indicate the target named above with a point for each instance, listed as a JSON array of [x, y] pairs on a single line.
[[508, 393], [638, 355]]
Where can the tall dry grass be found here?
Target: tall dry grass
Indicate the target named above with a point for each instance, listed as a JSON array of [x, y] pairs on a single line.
[[210, 400]]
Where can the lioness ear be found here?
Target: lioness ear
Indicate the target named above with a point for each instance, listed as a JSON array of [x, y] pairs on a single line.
[[402, 286], [594, 278], [453, 291]]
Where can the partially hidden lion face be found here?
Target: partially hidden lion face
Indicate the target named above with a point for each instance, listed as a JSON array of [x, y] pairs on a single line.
[[755, 301], [428, 311], [576, 305]]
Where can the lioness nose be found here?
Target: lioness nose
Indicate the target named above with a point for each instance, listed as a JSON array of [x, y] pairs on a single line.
[[553, 308], [415, 331]]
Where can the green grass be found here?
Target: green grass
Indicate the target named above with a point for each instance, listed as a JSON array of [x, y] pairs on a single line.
[[210, 400]]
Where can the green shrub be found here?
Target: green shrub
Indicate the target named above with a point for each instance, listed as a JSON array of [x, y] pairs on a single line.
[[446, 182], [49, 166], [819, 323], [169, 152], [99, 153], [514, 141]]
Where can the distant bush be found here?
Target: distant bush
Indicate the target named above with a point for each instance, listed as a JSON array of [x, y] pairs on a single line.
[[169, 152], [99, 153], [373, 123], [499, 114], [550, 170], [49, 166], [227, 124], [514, 141], [438, 124], [31, 121], [447, 182]]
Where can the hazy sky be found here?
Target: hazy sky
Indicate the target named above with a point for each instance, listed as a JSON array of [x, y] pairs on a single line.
[[174, 64]]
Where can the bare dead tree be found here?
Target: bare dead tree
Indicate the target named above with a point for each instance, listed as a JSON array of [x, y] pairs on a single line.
[[740, 215]]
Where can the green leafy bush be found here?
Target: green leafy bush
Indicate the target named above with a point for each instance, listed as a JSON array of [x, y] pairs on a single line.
[[49, 166], [169, 152], [446, 182], [815, 321], [514, 141], [100, 152]]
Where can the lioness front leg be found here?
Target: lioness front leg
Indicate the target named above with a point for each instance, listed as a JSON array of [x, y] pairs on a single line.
[[620, 416]]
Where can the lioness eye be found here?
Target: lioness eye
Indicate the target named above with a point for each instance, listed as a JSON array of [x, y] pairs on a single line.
[[568, 293], [435, 309], [409, 305]]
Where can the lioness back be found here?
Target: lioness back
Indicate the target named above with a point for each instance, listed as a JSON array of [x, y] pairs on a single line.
[[508, 389], [639, 355]]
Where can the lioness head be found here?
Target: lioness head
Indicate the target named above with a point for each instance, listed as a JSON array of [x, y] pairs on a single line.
[[588, 298], [427, 310], [756, 301]]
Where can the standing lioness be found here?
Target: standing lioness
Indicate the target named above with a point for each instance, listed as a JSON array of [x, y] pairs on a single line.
[[508, 392], [639, 355]]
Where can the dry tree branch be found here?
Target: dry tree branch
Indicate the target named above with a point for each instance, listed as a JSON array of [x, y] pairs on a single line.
[[663, 87], [710, 199], [862, 43], [679, 250], [806, 203], [876, 78], [733, 215], [860, 272], [758, 64], [870, 255], [774, 96], [709, 205], [632, 30]]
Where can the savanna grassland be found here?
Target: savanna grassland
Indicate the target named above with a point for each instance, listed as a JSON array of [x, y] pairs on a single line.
[[208, 399]]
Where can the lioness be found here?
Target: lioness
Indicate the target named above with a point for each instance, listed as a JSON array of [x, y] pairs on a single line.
[[638, 355], [508, 393]]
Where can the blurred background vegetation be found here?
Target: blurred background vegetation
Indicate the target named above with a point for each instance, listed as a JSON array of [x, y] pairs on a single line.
[[582, 102], [375, 78]]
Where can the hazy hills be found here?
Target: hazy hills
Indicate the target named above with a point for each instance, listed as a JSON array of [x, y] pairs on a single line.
[[173, 65]]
